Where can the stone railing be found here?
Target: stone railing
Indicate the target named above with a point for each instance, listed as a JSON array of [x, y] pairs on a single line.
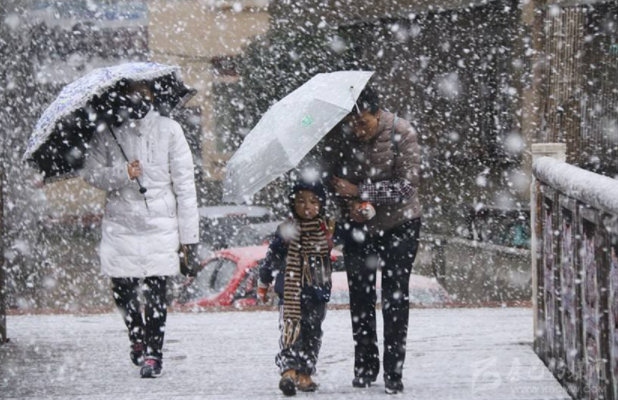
[[575, 276]]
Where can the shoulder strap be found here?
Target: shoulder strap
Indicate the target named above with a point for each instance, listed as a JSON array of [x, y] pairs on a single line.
[[393, 133], [394, 142]]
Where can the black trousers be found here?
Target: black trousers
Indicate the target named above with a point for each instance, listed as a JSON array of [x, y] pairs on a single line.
[[302, 356], [394, 253], [148, 328]]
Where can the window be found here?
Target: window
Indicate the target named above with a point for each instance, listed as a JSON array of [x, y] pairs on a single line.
[[246, 288]]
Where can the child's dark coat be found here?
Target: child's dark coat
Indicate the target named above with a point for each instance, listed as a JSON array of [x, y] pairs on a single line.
[[274, 265]]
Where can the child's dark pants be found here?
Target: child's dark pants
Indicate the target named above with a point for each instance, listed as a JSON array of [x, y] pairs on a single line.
[[150, 328], [395, 251], [302, 356]]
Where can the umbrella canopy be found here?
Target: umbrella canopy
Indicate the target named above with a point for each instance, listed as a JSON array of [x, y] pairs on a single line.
[[59, 141], [289, 130]]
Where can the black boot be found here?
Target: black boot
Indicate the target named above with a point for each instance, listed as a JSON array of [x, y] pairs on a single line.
[[362, 382], [393, 386]]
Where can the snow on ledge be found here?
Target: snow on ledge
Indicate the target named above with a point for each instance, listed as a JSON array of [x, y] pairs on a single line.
[[596, 190]]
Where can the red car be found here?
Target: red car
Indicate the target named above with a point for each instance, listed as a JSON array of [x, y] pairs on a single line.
[[229, 278]]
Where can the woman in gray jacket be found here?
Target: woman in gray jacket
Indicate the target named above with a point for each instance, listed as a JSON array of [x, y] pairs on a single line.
[[376, 167]]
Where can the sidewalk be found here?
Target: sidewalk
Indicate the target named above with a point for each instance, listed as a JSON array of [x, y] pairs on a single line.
[[456, 354]]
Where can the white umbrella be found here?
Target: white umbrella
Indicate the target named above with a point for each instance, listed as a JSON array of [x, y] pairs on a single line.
[[289, 130]]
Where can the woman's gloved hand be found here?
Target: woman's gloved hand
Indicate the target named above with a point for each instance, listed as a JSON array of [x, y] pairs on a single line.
[[190, 262]]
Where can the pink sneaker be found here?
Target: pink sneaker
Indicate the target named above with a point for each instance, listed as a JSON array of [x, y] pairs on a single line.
[[151, 368]]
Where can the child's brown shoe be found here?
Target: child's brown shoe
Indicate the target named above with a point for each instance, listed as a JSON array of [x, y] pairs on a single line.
[[287, 384], [306, 384]]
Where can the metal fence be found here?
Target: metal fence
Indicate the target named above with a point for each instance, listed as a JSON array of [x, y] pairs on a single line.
[[576, 308]]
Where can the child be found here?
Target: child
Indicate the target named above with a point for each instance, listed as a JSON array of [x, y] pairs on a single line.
[[299, 255]]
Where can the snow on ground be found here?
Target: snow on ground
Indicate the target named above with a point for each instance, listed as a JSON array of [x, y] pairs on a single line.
[[454, 354]]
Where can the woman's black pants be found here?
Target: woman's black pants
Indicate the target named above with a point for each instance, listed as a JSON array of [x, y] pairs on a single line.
[[148, 328], [394, 252]]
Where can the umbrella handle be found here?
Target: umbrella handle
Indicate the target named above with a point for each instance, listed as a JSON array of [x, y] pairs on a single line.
[[142, 189], [355, 101]]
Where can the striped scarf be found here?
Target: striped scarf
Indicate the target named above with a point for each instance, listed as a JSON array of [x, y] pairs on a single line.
[[307, 263]]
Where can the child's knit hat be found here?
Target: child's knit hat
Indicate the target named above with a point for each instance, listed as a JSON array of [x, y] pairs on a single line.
[[314, 186]]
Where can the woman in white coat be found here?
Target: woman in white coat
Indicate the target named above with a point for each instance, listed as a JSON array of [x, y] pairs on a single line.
[[142, 232]]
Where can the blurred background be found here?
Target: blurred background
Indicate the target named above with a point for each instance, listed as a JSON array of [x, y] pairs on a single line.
[[482, 81]]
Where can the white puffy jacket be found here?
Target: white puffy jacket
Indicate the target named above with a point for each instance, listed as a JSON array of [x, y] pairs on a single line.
[[139, 241]]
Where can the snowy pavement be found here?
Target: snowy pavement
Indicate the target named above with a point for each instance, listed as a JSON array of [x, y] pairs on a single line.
[[456, 354]]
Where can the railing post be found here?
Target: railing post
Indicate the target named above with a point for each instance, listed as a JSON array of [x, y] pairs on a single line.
[[557, 151], [613, 306], [603, 291], [3, 337]]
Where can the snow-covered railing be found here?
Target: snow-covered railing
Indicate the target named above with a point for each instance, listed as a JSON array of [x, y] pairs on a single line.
[[589, 188], [576, 277]]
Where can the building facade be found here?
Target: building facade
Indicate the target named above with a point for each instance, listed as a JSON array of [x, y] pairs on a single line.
[[205, 38]]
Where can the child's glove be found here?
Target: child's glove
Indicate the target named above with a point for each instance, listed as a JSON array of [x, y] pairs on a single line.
[[262, 292]]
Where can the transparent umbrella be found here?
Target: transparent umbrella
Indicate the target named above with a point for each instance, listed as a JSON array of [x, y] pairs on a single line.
[[289, 130]]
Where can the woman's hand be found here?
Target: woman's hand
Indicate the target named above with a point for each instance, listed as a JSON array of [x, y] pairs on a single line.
[[356, 213], [344, 188], [135, 169]]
